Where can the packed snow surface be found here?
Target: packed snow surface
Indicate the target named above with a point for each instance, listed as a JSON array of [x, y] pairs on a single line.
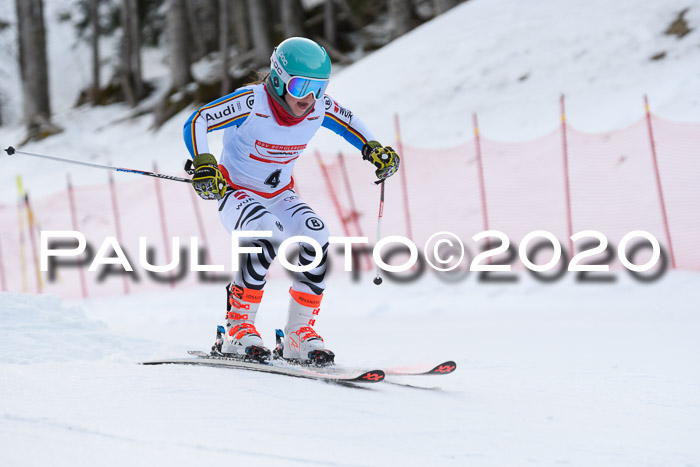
[[566, 374]]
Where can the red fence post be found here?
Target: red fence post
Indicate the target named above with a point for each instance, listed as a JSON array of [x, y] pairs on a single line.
[[480, 165], [567, 185], [482, 183], [117, 223], [200, 226], [22, 241], [35, 257], [331, 191], [354, 214], [404, 184], [658, 182], [74, 218], [167, 244]]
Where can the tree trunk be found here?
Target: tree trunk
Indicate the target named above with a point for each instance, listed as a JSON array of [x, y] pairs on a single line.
[[400, 13], [223, 45], [240, 25], [441, 6], [135, 49], [32, 63], [95, 45], [290, 12], [130, 73], [259, 28], [329, 22], [179, 58], [198, 47], [209, 24]]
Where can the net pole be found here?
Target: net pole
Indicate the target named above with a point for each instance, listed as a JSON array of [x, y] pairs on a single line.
[[658, 182], [567, 180], [74, 220]]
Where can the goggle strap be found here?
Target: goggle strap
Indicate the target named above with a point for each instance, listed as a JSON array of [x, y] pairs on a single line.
[[277, 66]]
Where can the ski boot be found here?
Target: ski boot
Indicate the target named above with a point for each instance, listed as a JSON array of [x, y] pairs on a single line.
[[300, 342], [239, 338]]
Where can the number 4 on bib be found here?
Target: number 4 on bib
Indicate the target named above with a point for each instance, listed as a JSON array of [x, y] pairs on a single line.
[[274, 179]]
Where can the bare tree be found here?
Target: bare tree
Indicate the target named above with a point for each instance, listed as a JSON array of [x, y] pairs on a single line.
[[400, 13], [257, 18], [209, 23], [441, 6], [240, 25], [224, 45], [198, 45], [203, 21], [290, 12], [180, 62], [329, 22], [95, 45], [130, 66], [34, 67]]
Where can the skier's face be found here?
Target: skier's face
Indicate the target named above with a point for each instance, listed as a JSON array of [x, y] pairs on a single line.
[[299, 106]]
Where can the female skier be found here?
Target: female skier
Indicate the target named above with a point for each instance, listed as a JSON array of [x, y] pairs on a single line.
[[268, 125]]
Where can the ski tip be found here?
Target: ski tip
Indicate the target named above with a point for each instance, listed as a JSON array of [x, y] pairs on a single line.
[[373, 376], [444, 368]]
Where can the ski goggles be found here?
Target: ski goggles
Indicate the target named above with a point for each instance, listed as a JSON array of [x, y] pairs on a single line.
[[300, 87]]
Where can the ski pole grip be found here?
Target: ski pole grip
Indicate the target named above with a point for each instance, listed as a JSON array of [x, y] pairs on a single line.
[[10, 150], [188, 167]]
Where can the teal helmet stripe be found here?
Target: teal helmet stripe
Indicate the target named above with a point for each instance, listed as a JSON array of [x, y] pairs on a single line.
[[298, 56]]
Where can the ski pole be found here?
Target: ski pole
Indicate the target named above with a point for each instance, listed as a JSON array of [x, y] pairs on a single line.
[[10, 151], [378, 279]]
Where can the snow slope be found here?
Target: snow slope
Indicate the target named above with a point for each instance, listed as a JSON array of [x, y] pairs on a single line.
[[41, 327], [595, 375], [510, 60]]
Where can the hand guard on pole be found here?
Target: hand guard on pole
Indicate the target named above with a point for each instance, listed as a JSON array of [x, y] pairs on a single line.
[[384, 159], [207, 180]]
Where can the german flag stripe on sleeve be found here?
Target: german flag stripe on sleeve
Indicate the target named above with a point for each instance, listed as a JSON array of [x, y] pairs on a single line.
[[228, 122], [347, 127], [211, 105]]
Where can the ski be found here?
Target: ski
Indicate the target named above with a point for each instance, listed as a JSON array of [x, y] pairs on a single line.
[[329, 374], [444, 368]]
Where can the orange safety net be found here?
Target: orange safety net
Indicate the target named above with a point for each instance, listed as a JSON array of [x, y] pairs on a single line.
[[612, 182]]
